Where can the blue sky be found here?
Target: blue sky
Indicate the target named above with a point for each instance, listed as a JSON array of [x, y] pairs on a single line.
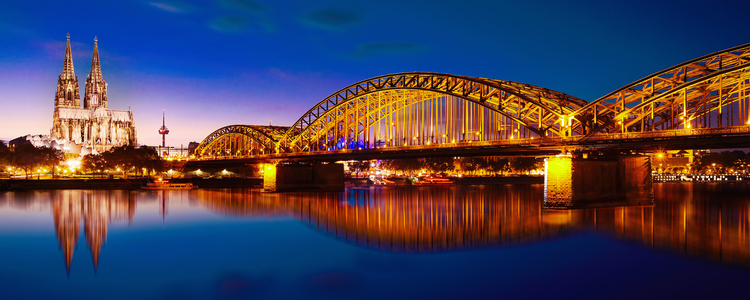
[[216, 63]]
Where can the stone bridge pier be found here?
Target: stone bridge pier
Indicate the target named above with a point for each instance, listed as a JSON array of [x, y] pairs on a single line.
[[597, 181]]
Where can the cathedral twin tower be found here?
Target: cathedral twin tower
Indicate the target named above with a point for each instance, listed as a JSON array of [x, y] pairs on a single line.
[[93, 126]]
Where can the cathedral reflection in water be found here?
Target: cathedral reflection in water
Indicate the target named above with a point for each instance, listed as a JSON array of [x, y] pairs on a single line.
[[96, 209], [708, 221]]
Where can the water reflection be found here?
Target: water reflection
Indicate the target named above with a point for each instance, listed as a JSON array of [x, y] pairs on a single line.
[[702, 220], [707, 221], [407, 219], [96, 209]]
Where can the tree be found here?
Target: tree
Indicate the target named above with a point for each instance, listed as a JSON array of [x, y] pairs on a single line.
[[148, 158], [24, 157], [27, 157], [439, 164], [407, 165], [498, 164], [94, 163], [473, 164], [126, 158], [359, 166], [720, 162], [522, 164], [50, 157], [4, 156]]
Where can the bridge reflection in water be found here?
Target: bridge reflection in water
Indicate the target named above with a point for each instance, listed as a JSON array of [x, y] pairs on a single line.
[[700, 220], [708, 221]]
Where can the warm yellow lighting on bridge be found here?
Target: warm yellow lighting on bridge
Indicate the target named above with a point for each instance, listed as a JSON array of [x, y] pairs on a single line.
[[222, 172]]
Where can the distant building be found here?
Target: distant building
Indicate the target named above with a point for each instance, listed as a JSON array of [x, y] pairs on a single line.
[[92, 126], [192, 146], [674, 161], [172, 152]]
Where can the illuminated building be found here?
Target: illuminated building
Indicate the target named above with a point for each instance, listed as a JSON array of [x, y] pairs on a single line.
[[93, 126]]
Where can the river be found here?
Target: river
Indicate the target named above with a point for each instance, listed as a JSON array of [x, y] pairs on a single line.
[[473, 241]]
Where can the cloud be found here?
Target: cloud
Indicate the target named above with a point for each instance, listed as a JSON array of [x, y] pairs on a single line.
[[174, 6], [330, 19], [392, 48], [242, 6], [229, 24]]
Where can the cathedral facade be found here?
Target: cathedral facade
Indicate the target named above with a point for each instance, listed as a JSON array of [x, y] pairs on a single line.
[[92, 125]]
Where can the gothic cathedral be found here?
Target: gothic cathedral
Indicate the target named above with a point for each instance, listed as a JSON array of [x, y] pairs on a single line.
[[93, 126]]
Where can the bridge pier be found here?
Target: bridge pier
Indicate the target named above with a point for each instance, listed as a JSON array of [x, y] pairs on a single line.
[[303, 178], [597, 182]]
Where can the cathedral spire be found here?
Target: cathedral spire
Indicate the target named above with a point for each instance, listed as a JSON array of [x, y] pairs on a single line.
[[96, 88], [96, 68], [68, 72]]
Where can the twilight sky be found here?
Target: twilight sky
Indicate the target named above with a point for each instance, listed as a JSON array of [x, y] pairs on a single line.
[[214, 63]]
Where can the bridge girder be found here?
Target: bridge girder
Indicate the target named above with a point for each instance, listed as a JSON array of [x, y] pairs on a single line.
[[417, 109], [263, 139], [676, 97], [536, 109]]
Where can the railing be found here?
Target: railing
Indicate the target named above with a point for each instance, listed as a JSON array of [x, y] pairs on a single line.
[[527, 142]]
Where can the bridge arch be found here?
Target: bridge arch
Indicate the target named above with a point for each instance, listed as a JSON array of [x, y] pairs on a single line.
[[428, 108], [709, 91], [240, 140]]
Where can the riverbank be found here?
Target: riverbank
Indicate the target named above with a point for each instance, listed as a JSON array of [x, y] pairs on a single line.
[[120, 184], [136, 183], [466, 180]]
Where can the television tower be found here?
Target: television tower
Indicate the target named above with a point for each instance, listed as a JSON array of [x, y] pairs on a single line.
[[163, 130]]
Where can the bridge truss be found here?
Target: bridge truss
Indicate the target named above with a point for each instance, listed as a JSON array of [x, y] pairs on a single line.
[[432, 110], [241, 140], [709, 91]]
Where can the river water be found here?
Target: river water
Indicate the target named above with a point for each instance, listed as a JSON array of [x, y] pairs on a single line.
[[476, 242]]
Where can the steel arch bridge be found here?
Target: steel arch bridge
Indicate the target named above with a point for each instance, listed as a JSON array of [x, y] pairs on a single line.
[[241, 140], [432, 110], [709, 91]]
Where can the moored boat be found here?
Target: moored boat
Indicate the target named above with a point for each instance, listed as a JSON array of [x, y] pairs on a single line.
[[434, 181], [166, 185]]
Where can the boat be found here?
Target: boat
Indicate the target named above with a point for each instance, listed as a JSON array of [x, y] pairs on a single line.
[[383, 182], [434, 181], [166, 185]]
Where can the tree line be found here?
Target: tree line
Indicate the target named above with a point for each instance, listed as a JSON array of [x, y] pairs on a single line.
[[27, 158], [721, 162], [128, 159], [138, 161]]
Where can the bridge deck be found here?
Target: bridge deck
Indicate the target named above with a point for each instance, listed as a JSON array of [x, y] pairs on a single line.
[[701, 138]]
